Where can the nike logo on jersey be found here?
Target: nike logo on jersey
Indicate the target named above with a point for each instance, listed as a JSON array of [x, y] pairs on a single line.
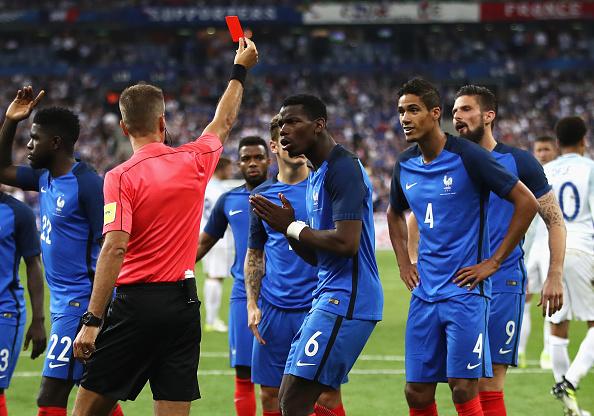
[[300, 364], [472, 367], [1, 377], [52, 365], [502, 351], [410, 186], [234, 212]]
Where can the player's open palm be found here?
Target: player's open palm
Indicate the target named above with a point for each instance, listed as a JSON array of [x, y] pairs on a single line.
[[254, 318], [247, 54], [23, 104]]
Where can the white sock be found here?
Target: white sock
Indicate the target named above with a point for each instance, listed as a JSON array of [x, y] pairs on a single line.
[[559, 356], [213, 290], [583, 360], [525, 330], [546, 333]]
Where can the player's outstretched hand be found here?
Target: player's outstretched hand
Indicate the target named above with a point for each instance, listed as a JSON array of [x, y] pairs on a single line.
[[247, 54], [471, 276], [254, 318], [36, 333], [551, 296], [23, 104], [410, 276], [276, 216], [84, 344]]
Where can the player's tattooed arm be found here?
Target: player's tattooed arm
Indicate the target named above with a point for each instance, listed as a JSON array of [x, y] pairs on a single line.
[[552, 292], [253, 271]]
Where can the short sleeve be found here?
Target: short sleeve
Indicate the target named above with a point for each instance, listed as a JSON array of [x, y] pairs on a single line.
[[117, 211], [90, 195], [217, 222], [398, 201], [208, 149], [28, 178], [531, 173], [485, 171], [27, 237], [346, 188]]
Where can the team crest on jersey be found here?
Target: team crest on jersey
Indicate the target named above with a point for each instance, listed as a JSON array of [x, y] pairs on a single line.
[[60, 203], [448, 182]]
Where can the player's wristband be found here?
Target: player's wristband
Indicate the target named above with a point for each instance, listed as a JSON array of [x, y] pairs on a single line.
[[295, 228], [239, 73]]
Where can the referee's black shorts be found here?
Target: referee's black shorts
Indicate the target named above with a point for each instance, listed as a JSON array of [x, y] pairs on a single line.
[[150, 334]]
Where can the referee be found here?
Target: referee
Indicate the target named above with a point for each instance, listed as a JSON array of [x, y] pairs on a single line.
[[153, 205]]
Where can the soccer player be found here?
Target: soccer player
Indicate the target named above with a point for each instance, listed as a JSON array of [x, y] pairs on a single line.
[[232, 208], [474, 113], [572, 177], [446, 182], [70, 200], [18, 239], [152, 218], [537, 261], [282, 281], [340, 239], [216, 264]]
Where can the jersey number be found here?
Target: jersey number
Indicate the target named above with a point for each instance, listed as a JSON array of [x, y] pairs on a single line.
[[46, 229], [4, 354], [576, 201], [312, 346], [64, 341], [429, 215]]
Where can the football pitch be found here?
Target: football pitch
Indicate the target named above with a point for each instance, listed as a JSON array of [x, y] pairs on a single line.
[[376, 383]]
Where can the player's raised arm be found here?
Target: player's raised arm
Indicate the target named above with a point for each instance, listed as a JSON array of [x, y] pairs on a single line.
[[20, 109], [228, 107]]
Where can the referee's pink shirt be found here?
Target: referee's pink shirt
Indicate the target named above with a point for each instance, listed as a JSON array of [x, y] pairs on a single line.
[[157, 197]]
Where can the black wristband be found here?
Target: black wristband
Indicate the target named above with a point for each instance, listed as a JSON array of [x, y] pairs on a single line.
[[239, 73]]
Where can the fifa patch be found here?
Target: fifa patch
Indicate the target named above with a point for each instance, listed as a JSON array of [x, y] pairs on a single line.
[[333, 301], [7, 315], [511, 283], [74, 303], [109, 213]]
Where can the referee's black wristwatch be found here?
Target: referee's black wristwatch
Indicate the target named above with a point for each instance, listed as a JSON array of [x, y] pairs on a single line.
[[89, 319]]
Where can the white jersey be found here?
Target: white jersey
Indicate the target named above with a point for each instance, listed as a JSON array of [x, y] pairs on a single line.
[[572, 179], [214, 189]]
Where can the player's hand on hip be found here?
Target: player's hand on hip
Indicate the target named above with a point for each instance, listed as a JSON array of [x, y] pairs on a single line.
[[84, 344], [23, 104], [276, 216], [410, 276], [254, 318], [551, 296], [471, 276], [36, 333], [246, 54]]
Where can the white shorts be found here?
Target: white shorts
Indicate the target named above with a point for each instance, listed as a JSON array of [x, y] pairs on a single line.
[[218, 261], [537, 268], [578, 288]]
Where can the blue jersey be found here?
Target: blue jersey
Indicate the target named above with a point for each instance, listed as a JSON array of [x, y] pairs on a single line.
[[233, 208], [511, 276], [71, 211], [289, 281], [340, 190], [449, 197], [18, 238]]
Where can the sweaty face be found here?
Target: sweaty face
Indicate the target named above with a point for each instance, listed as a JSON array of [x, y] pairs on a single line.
[[545, 152], [298, 132], [468, 119], [41, 146], [253, 164], [416, 119]]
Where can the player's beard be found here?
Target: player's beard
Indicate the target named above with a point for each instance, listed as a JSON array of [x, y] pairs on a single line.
[[474, 135]]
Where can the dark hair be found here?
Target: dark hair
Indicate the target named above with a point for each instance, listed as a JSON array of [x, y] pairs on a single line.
[[545, 139], [570, 130], [222, 163], [59, 121], [424, 90], [486, 99], [252, 141], [312, 105]]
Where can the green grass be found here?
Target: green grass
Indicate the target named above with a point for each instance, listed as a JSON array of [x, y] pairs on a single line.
[[527, 393]]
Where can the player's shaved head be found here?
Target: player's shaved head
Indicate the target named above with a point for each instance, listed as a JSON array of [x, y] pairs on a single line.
[[422, 89], [141, 106], [313, 107], [570, 131]]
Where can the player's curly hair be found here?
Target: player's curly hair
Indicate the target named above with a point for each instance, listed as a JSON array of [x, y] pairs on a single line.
[[422, 89], [313, 106], [252, 141], [570, 130], [61, 122]]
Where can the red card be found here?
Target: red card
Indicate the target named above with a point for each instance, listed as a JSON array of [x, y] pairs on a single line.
[[234, 27]]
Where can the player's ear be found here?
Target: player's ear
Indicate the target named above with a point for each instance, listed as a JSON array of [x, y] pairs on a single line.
[[436, 113], [320, 125], [162, 123], [124, 128], [488, 117], [56, 142], [274, 147]]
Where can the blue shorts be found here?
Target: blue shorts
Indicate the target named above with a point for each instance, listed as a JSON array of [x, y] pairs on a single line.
[[11, 340], [59, 361], [326, 347], [505, 321], [240, 335], [447, 339], [278, 328]]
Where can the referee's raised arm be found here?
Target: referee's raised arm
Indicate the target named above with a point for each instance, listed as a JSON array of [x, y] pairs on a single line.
[[228, 107]]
